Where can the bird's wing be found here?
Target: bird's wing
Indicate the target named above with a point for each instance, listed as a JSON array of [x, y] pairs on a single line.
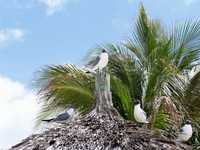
[[93, 62], [63, 116], [144, 113], [181, 130]]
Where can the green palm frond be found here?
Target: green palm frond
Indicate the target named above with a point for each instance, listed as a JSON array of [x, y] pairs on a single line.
[[145, 37], [126, 79], [163, 57], [122, 98], [63, 86], [186, 44], [122, 65], [191, 100]]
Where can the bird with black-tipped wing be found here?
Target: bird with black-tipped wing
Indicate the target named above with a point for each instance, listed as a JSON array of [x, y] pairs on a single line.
[[99, 63]]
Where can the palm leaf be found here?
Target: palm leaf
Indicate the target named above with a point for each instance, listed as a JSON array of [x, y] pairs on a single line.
[[191, 100], [61, 86], [122, 98], [186, 44]]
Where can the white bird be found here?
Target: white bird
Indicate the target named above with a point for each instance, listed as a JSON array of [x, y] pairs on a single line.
[[185, 132], [139, 113], [100, 62]]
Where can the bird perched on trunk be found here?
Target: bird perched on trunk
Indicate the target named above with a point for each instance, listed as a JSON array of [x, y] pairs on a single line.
[[60, 118], [139, 113], [99, 63], [185, 132]]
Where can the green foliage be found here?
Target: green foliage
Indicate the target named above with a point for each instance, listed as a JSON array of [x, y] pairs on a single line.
[[163, 56], [161, 120], [63, 86], [195, 140], [191, 100], [122, 99], [126, 79], [151, 47]]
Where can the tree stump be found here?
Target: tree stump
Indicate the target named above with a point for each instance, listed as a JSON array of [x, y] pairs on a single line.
[[104, 104]]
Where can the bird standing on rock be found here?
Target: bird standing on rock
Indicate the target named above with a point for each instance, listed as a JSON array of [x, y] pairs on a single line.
[[60, 118], [185, 132], [99, 63], [139, 113]]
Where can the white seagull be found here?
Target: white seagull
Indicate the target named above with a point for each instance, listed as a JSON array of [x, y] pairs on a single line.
[[100, 62], [139, 113], [185, 132]]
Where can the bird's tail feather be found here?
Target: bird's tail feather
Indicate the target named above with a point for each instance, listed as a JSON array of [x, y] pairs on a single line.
[[47, 120], [147, 121], [95, 68], [88, 70], [178, 141]]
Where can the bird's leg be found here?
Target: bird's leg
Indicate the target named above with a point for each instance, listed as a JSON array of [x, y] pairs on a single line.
[[144, 126], [140, 124]]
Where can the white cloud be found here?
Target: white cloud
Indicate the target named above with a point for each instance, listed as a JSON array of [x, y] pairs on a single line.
[[53, 6], [11, 34], [18, 108], [189, 2]]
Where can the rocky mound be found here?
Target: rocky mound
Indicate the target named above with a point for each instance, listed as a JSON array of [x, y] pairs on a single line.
[[98, 132]]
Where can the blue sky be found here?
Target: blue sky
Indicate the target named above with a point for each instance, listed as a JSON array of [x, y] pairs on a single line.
[[64, 31], [34, 33]]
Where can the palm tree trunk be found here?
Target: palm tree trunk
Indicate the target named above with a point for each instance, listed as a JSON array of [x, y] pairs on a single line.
[[104, 104]]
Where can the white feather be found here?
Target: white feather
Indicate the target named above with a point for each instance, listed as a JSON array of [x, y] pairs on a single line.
[[102, 62], [185, 134], [139, 114]]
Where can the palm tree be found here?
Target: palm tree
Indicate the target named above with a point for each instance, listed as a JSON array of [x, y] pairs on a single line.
[[149, 65], [63, 86]]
